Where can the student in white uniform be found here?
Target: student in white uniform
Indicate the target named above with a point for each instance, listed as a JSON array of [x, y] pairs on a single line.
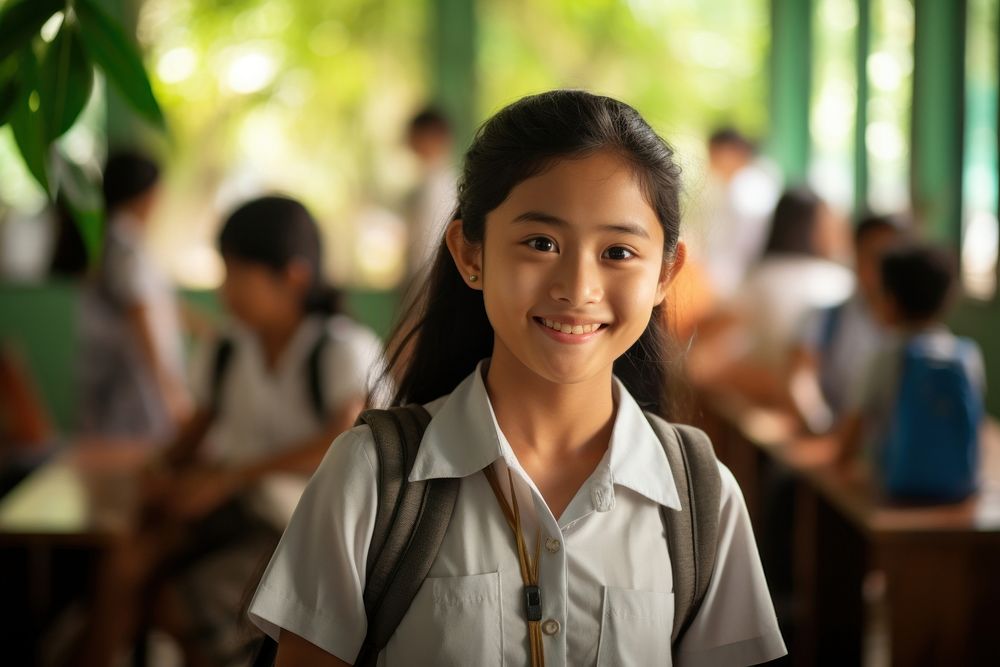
[[536, 343], [290, 374]]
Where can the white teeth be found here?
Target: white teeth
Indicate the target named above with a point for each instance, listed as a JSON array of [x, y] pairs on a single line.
[[575, 329]]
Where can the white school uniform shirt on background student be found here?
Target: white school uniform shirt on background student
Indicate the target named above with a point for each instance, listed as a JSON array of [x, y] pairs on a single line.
[[605, 572], [120, 394], [264, 411]]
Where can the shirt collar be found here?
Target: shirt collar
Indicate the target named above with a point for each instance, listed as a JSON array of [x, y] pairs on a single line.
[[463, 437]]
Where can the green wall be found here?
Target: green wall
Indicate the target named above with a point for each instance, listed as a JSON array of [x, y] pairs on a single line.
[[39, 322]]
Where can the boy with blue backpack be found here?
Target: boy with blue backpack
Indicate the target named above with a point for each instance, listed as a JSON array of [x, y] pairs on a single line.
[[917, 413]]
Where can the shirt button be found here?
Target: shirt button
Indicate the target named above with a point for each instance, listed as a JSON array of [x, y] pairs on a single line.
[[552, 545], [550, 627]]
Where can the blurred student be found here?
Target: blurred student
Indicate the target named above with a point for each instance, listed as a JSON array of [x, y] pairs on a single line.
[[917, 410], [748, 345], [132, 367], [432, 201], [272, 394], [732, 212], [839, 342]]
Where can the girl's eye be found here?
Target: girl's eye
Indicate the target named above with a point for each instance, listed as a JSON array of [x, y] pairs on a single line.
[[542, 244], [618, 253]]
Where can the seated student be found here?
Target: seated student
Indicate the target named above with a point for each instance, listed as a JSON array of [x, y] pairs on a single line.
[[922, 383], [272, 393], [747, 346], [839, 341]]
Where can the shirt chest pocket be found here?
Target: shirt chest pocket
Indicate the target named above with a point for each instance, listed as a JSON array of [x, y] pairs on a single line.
[[635, 628], [452, 621]]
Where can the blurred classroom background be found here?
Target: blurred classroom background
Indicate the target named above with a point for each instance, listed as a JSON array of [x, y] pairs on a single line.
[[879, 107]]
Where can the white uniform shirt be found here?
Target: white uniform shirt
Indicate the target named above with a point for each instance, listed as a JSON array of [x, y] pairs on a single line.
[[263, 412], [134, 278], [605, 570], [845, 351], [779, 295]]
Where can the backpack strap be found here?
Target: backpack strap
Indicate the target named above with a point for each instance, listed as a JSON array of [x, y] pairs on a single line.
[[692, 532], [223, 356], [410, 523], [314, 371]]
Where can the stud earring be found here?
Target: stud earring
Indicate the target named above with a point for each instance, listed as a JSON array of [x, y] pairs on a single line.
[[473, 278]]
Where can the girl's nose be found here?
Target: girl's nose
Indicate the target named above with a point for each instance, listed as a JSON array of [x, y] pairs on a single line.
[[577, 281]]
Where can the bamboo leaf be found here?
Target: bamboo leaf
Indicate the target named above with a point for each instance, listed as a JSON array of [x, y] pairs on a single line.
[[67, 78], [27, 122], [21, 20], [115, 53]]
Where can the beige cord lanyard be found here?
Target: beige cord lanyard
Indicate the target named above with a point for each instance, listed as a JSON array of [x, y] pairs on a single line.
[[529, 566]]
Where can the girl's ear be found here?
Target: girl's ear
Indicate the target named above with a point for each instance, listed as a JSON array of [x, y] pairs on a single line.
[[670, 270], [468, 257]]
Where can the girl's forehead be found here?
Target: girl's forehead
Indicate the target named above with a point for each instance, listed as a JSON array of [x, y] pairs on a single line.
[[598, 189]]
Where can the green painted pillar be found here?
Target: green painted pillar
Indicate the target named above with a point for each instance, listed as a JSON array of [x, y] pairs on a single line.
[[862, 49], [790, 86], [938, 111], [452, 36]]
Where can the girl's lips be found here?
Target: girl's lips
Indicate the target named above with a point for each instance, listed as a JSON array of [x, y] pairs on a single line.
[[570, 338]]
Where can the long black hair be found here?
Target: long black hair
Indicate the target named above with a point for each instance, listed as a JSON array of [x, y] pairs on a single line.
[[445, 332], [274, 231], [794, 222]]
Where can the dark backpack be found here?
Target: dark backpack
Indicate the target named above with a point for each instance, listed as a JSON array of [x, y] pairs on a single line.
[[314, 374], [932, 449], [412, 517]]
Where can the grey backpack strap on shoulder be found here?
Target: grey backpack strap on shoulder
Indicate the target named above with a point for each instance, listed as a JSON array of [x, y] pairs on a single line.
[[410, 523], [692, 532]]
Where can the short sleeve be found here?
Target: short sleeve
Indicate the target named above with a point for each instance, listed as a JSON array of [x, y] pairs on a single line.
[[977, 368], [124, 274], [315, 581], [872, 393], [736, 624], [350, 362]]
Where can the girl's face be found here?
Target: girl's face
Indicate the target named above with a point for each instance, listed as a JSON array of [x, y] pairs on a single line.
[[261, 298], [571, 267]]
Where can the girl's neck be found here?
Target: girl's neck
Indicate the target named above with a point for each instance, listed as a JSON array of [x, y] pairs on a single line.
[[275, 339], [545, 418]]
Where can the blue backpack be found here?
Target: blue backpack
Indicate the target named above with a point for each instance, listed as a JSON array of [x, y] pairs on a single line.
[[932, 449]]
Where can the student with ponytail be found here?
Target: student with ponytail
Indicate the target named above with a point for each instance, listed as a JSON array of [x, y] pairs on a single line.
[[537, 349]]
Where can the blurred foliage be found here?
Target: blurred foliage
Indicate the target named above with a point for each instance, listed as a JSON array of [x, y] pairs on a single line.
[[687, 65], [313, 98], [48, 51]]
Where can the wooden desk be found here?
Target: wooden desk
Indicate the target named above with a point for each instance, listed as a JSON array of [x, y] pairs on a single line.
[[84, 495], [77, 502], [941, 564]]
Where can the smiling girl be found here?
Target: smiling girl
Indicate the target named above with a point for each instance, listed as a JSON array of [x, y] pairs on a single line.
[[537, 341]]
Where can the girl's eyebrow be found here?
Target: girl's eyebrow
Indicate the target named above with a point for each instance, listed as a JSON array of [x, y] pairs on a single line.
[[549, 219]]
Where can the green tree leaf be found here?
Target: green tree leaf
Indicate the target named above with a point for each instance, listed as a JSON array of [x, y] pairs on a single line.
[[112, 50], [10, 85], [67, 78], [27, 122], [20, 21], [82, 197]]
